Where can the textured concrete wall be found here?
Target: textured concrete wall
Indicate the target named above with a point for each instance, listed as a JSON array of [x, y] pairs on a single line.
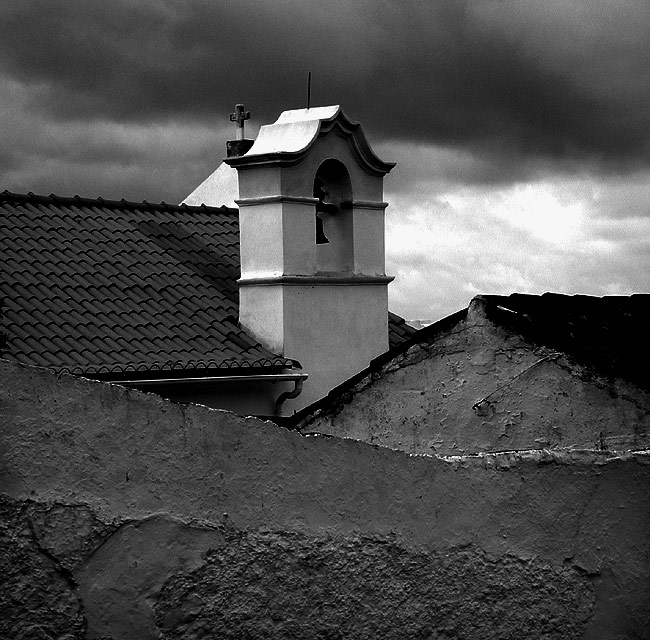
[[125, 516], [425, 401]]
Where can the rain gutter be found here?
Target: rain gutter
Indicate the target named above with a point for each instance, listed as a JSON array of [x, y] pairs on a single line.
[[297, 378]]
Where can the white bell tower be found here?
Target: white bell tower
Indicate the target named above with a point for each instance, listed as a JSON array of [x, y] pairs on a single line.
[[313, 285]]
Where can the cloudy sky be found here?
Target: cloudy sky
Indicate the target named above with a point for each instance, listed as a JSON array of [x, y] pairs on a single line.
[[521, 129]]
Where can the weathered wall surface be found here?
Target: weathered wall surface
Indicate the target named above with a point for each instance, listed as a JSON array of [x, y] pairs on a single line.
[[125, 516], [425, 401]]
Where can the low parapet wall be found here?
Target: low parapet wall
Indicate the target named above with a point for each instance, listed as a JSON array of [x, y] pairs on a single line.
[[126, 516]]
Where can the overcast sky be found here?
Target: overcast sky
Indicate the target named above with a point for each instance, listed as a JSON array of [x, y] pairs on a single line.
[[521, 129]]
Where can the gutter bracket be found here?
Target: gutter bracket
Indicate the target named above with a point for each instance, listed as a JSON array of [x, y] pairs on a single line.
[[288, 395]]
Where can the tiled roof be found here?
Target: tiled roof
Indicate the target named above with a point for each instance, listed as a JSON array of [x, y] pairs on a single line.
[[3, 337], [610, 334], [101, 287], [115, 288], [398, 330]]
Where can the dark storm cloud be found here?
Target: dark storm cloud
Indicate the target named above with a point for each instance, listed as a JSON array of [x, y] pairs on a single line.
[[503, 78], [520, 128]]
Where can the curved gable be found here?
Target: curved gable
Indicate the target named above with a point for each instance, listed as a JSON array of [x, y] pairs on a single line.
[[292, 135]]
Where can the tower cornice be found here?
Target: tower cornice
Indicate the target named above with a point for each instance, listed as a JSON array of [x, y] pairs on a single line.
[[289, 138], [317, 279]]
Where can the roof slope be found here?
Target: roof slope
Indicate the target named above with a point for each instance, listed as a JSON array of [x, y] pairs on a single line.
[[100, 287], [610, 334], [108, 288], [398, 330]]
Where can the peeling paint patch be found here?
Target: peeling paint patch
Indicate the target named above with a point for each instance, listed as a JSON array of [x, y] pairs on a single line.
[[122, 579], [67, 532], [38, 595], [287, 585]]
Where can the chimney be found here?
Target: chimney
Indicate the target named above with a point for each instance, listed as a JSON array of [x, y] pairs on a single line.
[[236, 148]]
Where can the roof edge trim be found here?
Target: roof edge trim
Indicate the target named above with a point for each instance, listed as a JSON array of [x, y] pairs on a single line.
[[316, 279], [30, 197]]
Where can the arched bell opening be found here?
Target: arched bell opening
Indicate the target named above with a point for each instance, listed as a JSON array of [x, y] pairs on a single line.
[[333, 220]]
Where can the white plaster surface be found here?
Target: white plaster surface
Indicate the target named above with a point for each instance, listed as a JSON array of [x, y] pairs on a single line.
[[261, 313], [334, 331], [219, 188], [293, 131], [315, 113], [369, 241], [262, 240]]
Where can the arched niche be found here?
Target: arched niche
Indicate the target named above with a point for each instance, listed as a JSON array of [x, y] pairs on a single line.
[[333, 220]]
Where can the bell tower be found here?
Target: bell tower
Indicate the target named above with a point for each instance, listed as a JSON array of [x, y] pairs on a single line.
[[313, 285]]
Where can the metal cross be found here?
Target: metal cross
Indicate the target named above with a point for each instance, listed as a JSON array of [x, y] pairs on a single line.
[[239, 117]]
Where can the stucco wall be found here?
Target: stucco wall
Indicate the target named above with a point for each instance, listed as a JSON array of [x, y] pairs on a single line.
[[333, 326], [425, 401], [126, 516]]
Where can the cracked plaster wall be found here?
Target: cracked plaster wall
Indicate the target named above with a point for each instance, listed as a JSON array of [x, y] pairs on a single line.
[[127, 516], [425, 401]]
